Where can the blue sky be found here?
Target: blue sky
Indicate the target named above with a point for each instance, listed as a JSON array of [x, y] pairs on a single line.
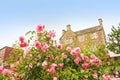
[[19, 16]]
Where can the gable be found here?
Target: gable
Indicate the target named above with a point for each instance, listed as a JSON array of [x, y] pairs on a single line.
[[68, 34]]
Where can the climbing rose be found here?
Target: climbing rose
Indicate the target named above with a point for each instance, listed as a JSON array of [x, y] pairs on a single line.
[[5, 72], [84, 58], [37, 44], [1, 69], [76, 60], [50, 56], [59, 46], [23, 44], [53, 65], [39, 28], [107, 77], [60, 65], [68, 48], [95, 61], [48, 37], [74, 53], [21, 39], [95, 75], [85, 65], [77, 50], [93, 56], [51, 34], [51, 70], [64, 55], [44, 47]]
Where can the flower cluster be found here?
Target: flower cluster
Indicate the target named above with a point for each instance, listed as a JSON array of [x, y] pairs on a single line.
[[4, 71], [22, 42]]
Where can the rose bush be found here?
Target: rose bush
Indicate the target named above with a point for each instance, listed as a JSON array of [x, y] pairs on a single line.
[[43, 58]]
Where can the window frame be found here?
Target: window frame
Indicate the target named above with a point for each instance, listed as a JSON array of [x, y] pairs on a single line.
[[82, 38], [94, 35], [68, 40]]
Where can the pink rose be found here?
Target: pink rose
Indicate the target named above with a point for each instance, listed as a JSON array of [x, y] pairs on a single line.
[[107, 77], [44, 47], [64, 55], [51, 34], [61, 65], [59, 46], [85, 65], [37, 44], [93, 56], [84, 58], [96, 62], [21, 39], [76, 60], [77, 50], [68, 48], [51, 70], [53, 65], [50, 56], [48, 37], [74, 53], [5, 72], [95, 75], [39, 28], [1, 69], [23, 44]]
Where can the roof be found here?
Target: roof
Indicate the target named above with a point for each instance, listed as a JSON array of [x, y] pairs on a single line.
[[62, 35], [89, 30], [4, 47], [84, 31]]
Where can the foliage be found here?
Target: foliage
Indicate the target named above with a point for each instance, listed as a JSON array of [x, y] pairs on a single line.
[[114, 39], [14, 55]]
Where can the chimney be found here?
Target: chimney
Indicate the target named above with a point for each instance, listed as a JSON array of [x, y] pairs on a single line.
[[68, 27], [100, 22]]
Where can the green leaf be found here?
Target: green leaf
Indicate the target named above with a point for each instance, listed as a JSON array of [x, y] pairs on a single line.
[[28, 32]]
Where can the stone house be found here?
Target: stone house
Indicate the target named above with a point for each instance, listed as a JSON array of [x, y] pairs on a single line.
[[4, 53], [91, 36]]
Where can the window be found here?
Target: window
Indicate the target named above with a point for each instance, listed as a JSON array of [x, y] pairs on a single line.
[[81, 38], [94, 36], [68, 41]]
